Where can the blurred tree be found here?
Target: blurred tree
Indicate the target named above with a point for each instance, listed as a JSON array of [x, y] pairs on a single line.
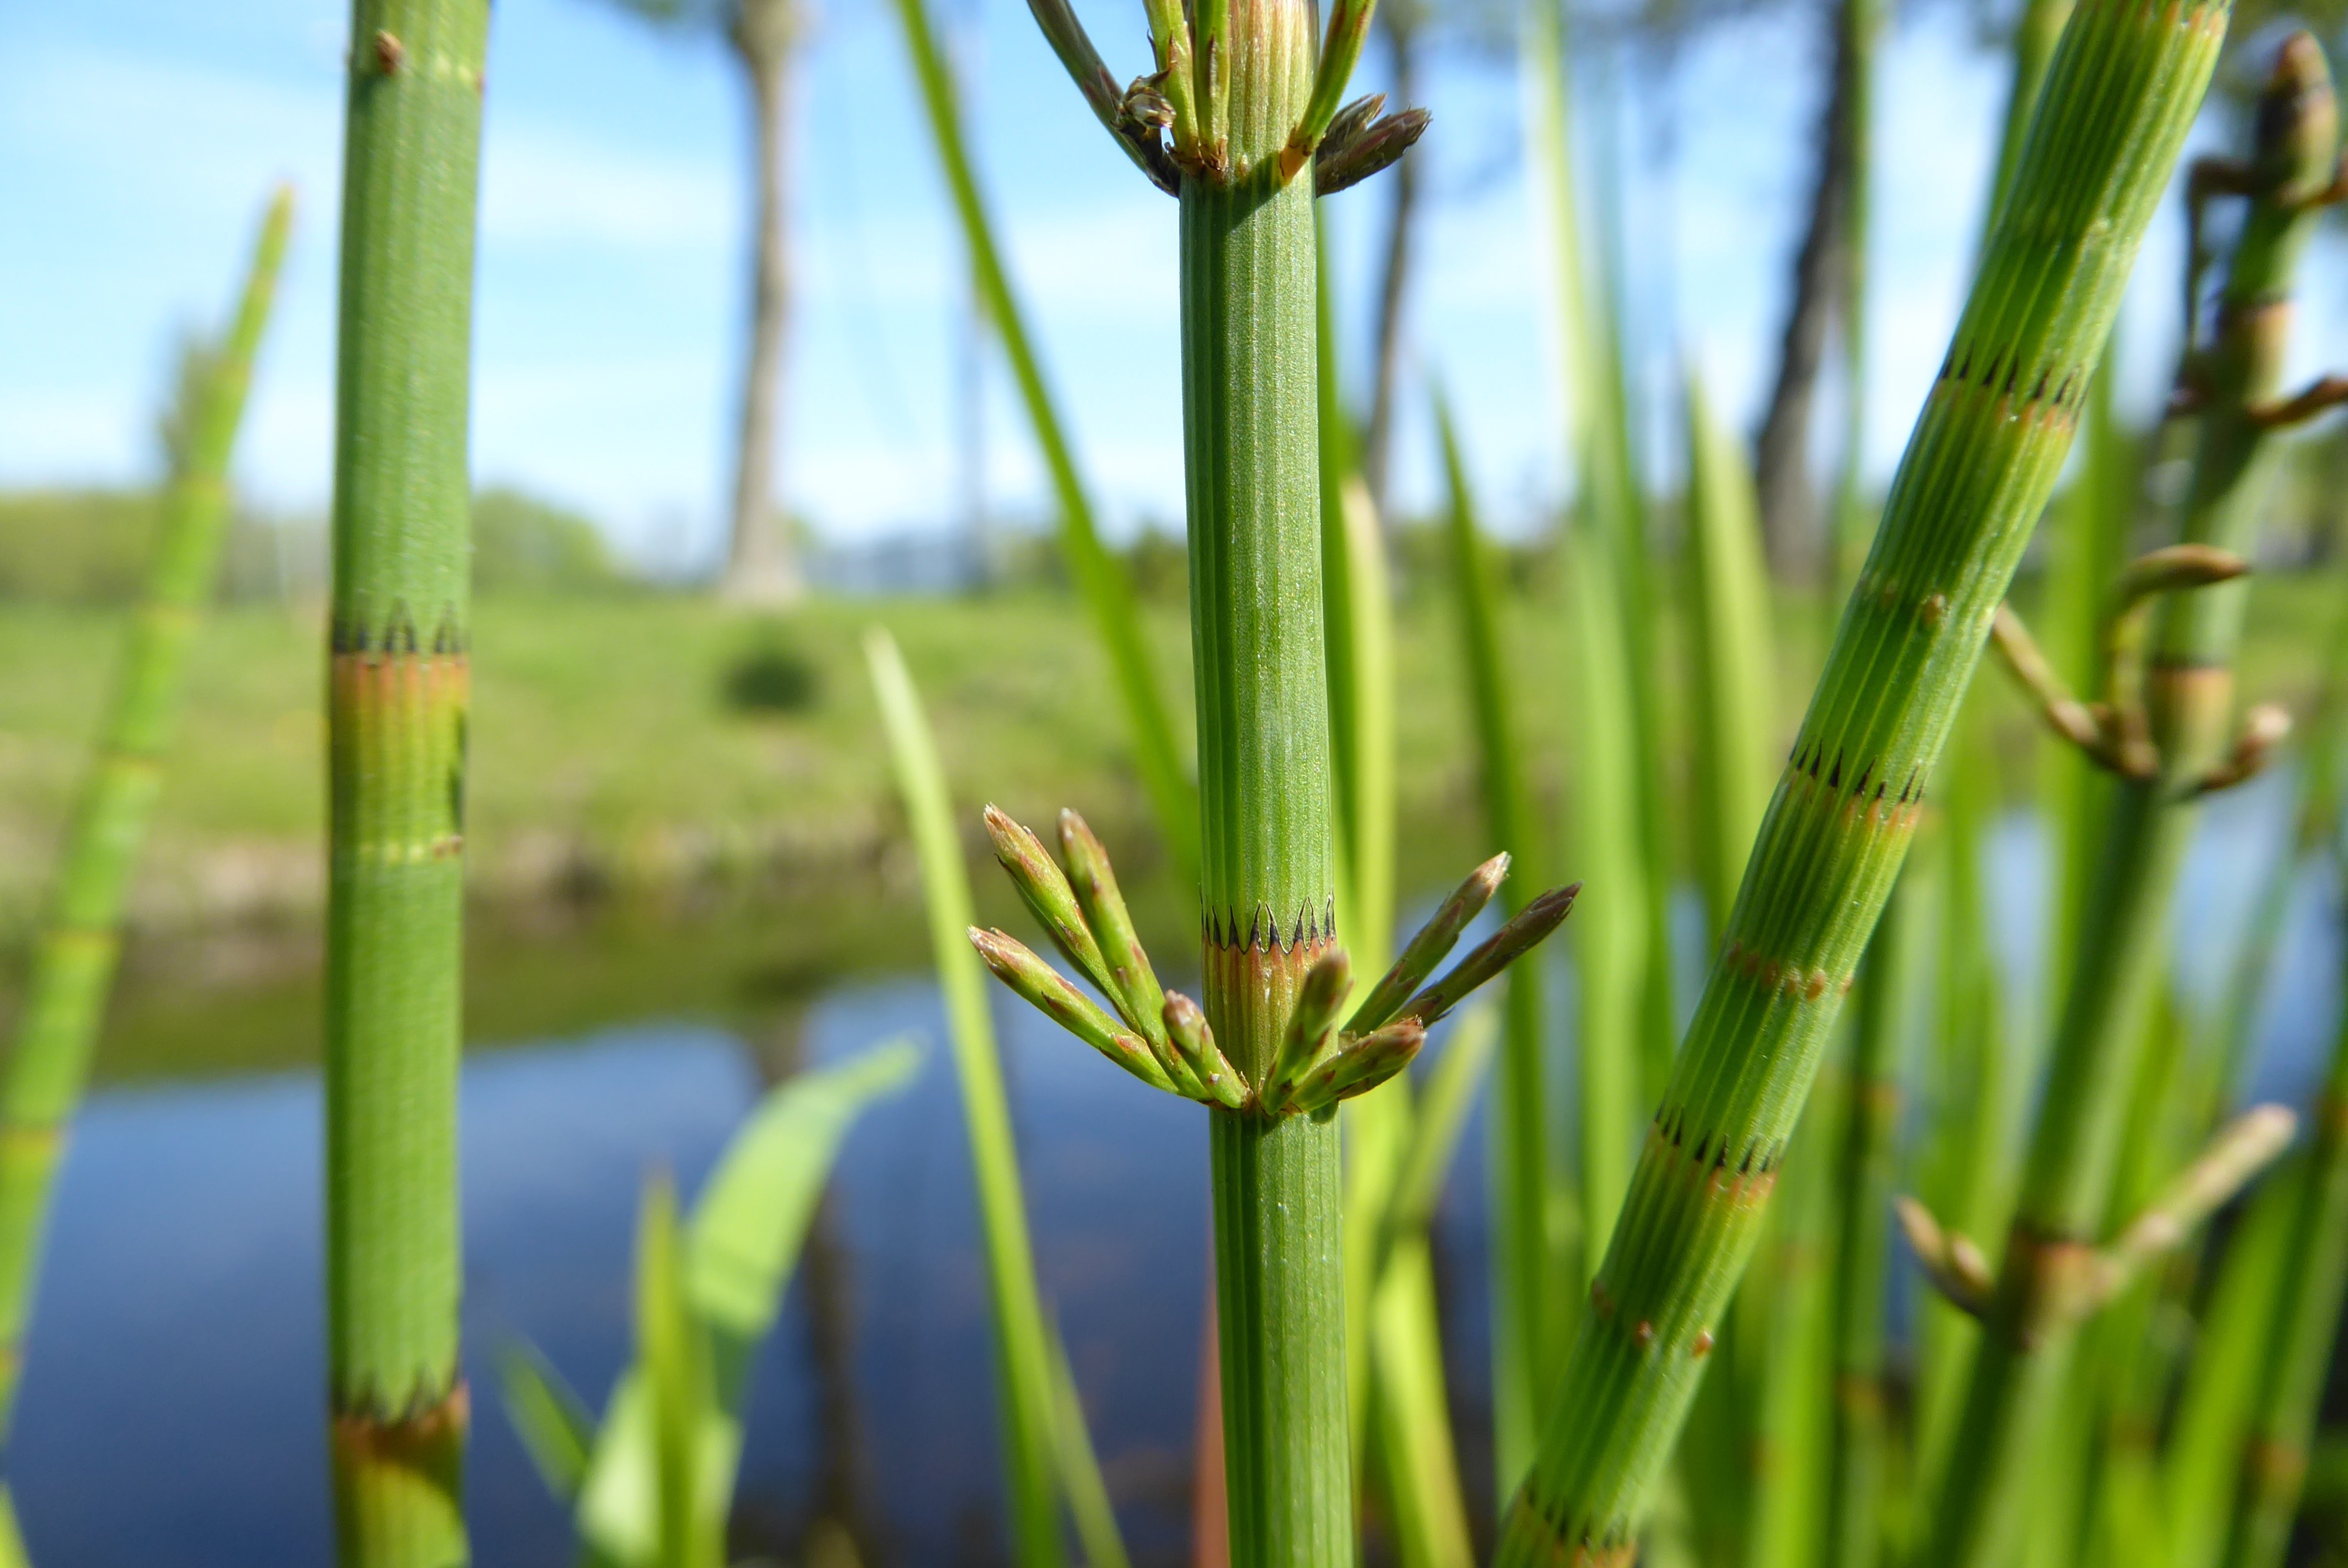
[[762, 37], [1403, 25], [1791, 522], [1409, 28]]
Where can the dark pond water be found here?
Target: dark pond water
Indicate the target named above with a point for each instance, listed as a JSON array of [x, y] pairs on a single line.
[[172, 1403]]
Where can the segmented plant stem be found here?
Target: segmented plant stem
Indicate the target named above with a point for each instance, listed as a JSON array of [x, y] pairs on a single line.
[[1978, 470], [1864, 1172], [1266, 805], [2310, 1282], [2098, 1047], [74, 958], [2035, 37], [396, 713]]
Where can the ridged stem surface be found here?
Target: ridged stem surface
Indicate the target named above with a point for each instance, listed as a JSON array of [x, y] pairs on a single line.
[[74, 958], [396, 714], [1267, 813], [2311, 1285], [1978, 470], [2023, 1367], [1864, 1174]]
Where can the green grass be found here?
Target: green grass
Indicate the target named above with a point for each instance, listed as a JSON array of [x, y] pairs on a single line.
[[604, 751]]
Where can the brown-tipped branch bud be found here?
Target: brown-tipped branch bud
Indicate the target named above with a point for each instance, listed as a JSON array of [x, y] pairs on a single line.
[[1430, 947], [1045, 892], [1067, 35], [1049, 991], [2242, 1148], [1951, 1263], [1355, 117], [1359, 1064], [1133, 984], [2327, 394], [1505, 946], [1309, 1025], [1186, 1029], [2264, 728], [1337, 165], [1147, 110], [2068, 717], [2175, 569]]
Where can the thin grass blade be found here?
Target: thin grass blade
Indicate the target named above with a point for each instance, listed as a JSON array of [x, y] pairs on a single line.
[[1027, 1401], [1107, 594]]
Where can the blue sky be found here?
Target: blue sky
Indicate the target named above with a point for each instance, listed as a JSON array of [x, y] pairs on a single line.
[[142, 136]]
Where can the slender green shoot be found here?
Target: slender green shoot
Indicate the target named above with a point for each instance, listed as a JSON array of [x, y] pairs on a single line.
[[399, 680], [2163, 728], [1730, 658], [1984, 456], [1024, 1384], [74, 958], [2301, 1322]]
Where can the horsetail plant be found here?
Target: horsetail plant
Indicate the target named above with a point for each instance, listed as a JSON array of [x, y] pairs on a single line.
[[1858, 1471], [74, 959], [1241, 106], [2302, 1318], [1288, 1085], [2161, 728], [1985, 453], [396, 694]]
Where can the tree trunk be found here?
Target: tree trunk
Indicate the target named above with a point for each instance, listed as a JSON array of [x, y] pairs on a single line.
[[1402, 37], [1790, 523], [762, 560]]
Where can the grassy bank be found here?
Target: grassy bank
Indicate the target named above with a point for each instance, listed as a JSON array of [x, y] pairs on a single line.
[[651, 742]]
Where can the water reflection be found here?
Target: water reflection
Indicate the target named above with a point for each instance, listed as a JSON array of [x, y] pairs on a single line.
[[173, 1404]]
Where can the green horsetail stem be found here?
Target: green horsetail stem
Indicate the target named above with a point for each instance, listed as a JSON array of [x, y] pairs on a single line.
[[2067, 1189], [2035, 37], [1267, 813], [2310, 1282], [1242, 104], [1986, 451], [1864, 1176], [396, 779], [74, 959]]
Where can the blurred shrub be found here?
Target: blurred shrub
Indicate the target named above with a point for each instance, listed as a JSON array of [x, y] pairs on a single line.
[[1160, 564], [771, 673], [90, 547], [522, 545], [75, 547]]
